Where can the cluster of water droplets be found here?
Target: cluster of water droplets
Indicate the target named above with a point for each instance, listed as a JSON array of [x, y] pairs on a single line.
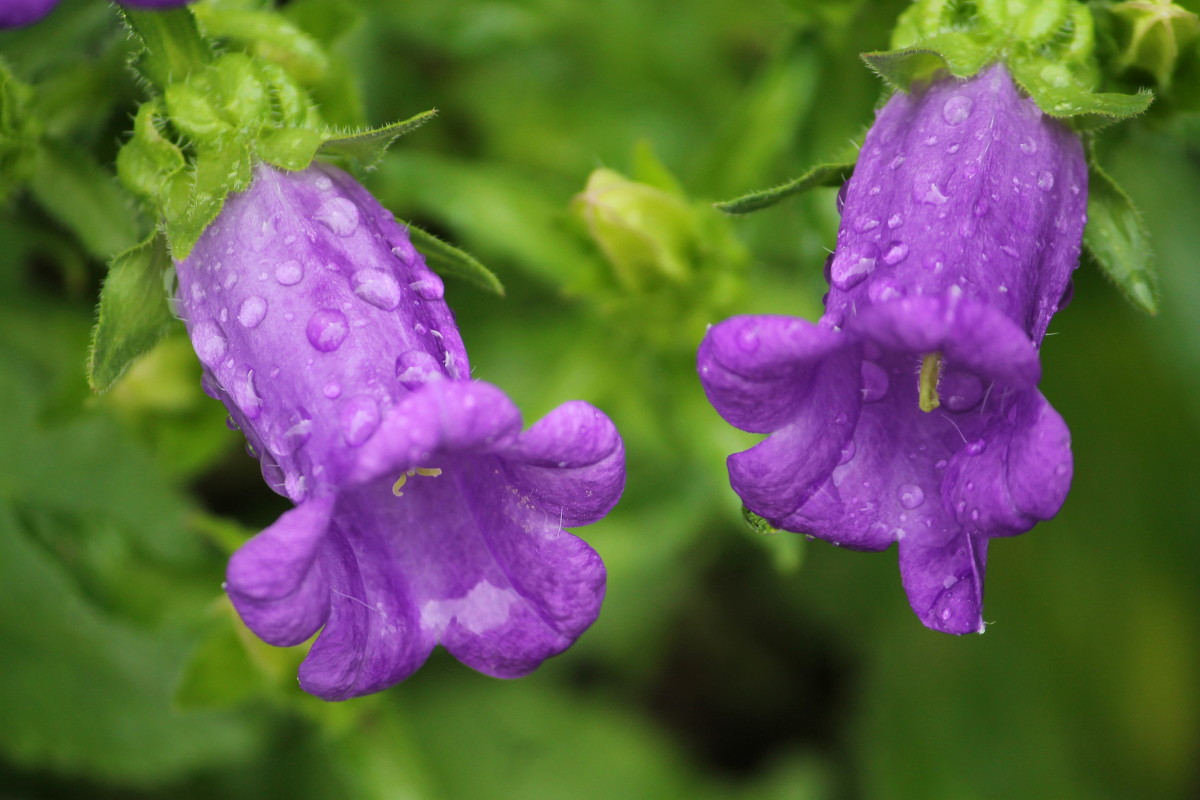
[[326, 329]]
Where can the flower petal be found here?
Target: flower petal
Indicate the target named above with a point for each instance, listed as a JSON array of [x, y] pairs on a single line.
[[273, 580], [944, 583], [970, 334], [549, 590], [571, 463], [438, 418], [775, 477], [1016, 474], [757, 370], [373, 638]]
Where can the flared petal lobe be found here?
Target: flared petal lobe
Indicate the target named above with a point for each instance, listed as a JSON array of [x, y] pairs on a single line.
[[960, 229], [424, 515]]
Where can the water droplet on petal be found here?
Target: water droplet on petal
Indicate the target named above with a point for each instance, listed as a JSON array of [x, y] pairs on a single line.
[[895, 221], [208, 342], [956, 110], [926, 190], [875, 382], [896, 162], [377, 287], [429, 287], [1045, 180], [252, 311], [297, 434], [854, 263], [327, 329], [911, 496], [976, 447], [231, 423], [934, 261], [882, 290], [847, 453], [747, 339], [952, 149], [894, 253], [289, 273], [338, 214], [332, 390], [416, 367], [960, 391], [322, 182], [864, 224], [1028, 147], [981, 207], [359, 419], [941, 464]]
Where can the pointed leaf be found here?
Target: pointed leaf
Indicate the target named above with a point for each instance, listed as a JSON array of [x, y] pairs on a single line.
[[133, 313], [1117, 238], [367, 147], [84, 197], [834, 174], [446, 259]]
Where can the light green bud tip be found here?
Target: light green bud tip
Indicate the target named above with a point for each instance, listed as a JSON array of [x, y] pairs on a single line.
[[1154, 34], [645, 232]]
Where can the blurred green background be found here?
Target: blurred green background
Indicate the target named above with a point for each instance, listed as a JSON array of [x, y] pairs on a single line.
[[726, 663]]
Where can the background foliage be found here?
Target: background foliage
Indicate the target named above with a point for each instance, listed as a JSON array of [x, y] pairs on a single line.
[[726, 663]]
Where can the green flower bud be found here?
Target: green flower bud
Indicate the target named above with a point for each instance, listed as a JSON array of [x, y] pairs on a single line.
[[645, 233], [1154, 34]]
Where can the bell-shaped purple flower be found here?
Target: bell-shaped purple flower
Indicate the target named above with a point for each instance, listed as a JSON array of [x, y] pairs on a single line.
[[423, 514], [18, 13], [910, 412]]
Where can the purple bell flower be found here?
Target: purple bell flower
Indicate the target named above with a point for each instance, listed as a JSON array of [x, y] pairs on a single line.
[[424, 515], [909, 413], [18, 13]]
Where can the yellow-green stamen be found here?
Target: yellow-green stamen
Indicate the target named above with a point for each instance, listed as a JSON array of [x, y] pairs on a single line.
[[428, 472], [927, 387]]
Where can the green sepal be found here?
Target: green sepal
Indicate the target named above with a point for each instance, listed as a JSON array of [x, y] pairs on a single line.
[[270, 35], [219, 171], [290, 148], [148, 160], [758, 524], [913, 67], [1058, 93], [367, 147], [174, 46], [85, 197], [133, 313], [832, 174], [1116, 237], [446, 259]]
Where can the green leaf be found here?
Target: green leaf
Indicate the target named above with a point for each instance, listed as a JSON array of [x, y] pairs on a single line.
[[367, 147], [1117, 238], [84, 197], [133, 313], [833, 174], [174, 47], [447, 259]]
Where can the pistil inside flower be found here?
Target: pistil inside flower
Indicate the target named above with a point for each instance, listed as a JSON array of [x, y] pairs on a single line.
[[428, 472], [927, 386]]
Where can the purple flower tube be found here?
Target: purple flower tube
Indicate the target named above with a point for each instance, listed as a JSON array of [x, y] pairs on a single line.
[[424, 514], [909, 413]]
